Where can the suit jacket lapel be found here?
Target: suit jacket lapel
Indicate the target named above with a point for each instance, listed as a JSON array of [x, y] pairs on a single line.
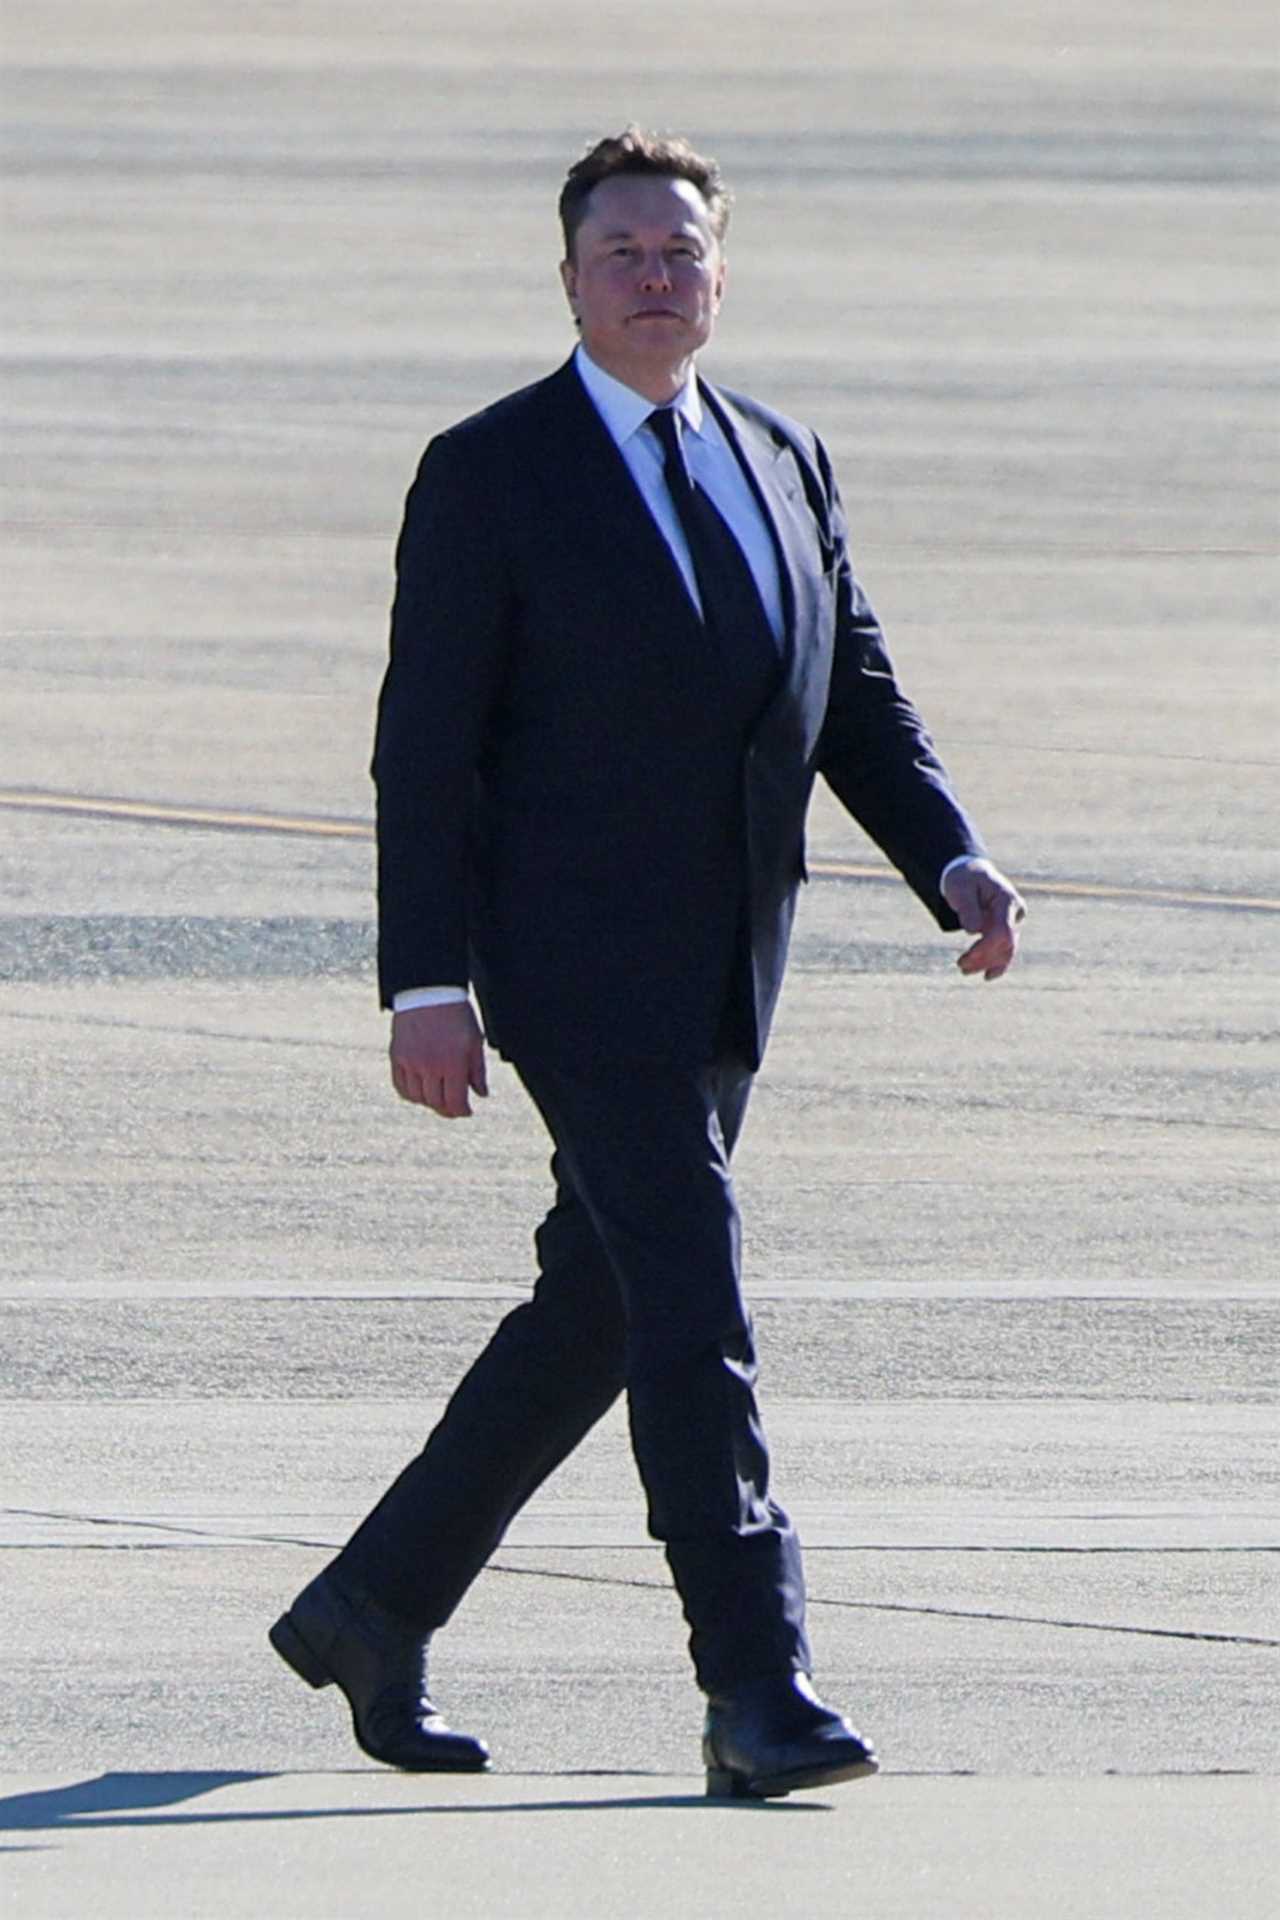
[[600, 479], [781, 498]]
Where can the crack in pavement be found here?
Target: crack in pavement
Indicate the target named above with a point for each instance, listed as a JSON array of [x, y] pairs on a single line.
[[221, 1537], [947, 1613]]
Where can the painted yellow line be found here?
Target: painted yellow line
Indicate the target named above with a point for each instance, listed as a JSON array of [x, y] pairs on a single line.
[[158, 814], [1078, 889], [316, 826]]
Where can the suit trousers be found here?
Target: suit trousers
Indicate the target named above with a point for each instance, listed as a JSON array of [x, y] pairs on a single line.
[[639, 1288]]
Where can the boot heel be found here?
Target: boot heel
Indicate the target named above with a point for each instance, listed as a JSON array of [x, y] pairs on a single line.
[[293, 1649], [723, 1785]]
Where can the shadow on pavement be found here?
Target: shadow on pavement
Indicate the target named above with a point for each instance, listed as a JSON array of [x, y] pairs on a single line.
[[92, 1803], [110, 1793]]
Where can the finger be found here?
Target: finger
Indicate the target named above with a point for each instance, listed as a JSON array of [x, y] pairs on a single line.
[[998, 946], [991, 956], [454, 1104], [404, 1084], [477, 1074], [1015, 912], [974, 958], [418, 1088]]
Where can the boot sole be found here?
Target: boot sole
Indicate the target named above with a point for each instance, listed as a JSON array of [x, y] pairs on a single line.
[[723, 1784]]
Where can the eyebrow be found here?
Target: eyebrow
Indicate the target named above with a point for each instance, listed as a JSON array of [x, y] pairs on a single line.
[[676, 233]]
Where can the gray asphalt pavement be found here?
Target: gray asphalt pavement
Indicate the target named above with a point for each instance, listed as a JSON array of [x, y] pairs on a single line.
[[1012, 1249]]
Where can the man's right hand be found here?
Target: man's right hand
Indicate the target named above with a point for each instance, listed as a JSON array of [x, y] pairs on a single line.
[[437, 1058]]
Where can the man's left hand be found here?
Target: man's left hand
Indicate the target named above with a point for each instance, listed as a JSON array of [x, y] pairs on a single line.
[[990, 906]]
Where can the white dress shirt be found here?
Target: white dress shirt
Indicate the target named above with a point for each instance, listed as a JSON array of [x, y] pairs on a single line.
[[712, 464], [715, 467]]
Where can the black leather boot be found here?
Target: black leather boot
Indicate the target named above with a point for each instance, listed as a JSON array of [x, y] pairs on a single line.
[[333, 1633], [767, 1738]]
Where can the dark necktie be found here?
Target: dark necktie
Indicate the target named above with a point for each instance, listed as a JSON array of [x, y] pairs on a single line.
[[731, 606]]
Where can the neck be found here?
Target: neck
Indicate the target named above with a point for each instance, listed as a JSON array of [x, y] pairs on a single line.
[[658, 384]]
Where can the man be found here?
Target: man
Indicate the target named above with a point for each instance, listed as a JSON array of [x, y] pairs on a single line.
[[626, 637]]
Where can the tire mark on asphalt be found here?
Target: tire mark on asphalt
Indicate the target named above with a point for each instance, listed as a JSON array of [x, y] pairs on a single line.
[[794, 1090], [899, 1096], [184, 1032]]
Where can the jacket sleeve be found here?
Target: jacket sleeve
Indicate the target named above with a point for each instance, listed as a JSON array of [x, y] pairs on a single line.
[[875, 752], [449, 626]]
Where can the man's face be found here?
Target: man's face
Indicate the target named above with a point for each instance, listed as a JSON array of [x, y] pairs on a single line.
[[646, 277]]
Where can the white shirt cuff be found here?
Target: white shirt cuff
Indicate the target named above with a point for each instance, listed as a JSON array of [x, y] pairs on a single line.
[[427, 997], [961, 860]]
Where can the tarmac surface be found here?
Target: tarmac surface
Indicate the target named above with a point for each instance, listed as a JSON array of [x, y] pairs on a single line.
[[1011, 1249]]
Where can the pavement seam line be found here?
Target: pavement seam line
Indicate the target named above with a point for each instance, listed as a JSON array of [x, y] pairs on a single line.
[[660, 1586], [946, 1613]]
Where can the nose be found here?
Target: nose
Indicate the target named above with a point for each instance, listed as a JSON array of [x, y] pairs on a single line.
[[655, 273]]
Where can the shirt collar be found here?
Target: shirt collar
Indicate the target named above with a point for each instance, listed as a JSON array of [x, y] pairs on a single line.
[[623, 410]]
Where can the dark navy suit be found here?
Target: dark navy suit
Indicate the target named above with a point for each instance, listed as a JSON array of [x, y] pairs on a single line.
[[592, 811]]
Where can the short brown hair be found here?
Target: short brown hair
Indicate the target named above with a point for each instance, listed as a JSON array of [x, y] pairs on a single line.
[[635, 151]]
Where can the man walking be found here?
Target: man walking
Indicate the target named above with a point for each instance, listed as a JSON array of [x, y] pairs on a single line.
[[626, 638]]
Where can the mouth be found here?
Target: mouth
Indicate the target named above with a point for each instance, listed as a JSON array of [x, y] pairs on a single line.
[[656, 313]]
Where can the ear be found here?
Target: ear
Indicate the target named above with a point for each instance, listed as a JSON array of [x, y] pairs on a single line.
[[569, 281], [718, 286]]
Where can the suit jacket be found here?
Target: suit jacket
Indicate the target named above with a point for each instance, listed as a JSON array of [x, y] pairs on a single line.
[[576, 809]]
